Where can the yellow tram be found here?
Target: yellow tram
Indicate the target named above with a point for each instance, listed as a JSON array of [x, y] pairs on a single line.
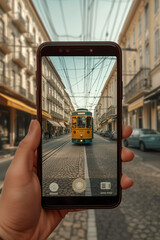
[[82, 126]]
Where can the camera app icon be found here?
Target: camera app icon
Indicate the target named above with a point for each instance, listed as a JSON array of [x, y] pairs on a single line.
[[105, 185]]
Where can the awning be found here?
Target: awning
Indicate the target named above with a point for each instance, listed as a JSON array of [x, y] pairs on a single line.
[[11, 102], [62, 124], [153, 94], [136, 104], [54, 123], [67, 123]]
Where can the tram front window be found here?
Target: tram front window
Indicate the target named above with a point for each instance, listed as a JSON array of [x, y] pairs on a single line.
[[74, 122], [81, 122], [88, 122]]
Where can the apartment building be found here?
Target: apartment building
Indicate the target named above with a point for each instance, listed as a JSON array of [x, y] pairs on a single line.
[[105, 114], [55, 99], [21, 32], [140, 43]]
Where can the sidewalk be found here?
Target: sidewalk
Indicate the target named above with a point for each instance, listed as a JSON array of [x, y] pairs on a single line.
[[7, 152], [10, 151]]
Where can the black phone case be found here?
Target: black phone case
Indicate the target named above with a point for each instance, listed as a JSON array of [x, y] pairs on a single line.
[[81, 49]]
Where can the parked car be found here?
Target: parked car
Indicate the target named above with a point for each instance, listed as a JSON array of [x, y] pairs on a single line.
[[144, 139], [107, 133], [103, 133], [113, 135]]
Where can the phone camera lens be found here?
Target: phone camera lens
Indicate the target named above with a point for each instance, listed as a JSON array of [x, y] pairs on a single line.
[[67, 50], [91, 50], [60, 50]]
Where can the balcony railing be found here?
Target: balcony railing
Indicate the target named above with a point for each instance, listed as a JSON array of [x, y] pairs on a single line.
[[30, 69], [138, 86], [4, 80], [111, 111], [19, 59], [29, 37], [4, 44], [51, 81], [55, 114], [19, 22], [31, 96], [19, 89], [5, 4]]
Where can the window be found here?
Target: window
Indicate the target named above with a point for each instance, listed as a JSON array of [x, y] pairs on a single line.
[[147, 15], [88, 122], [157, 44], [134, 36], [81, 122], [43, 85], [13, 42], [1, 31], [139, 26], [140, 58], [28, 87], [19, 9], [134, 66], [34, 35], [156, 6], [147, 56], [27, 23], [12, 83], [74, 122], [1, 68]]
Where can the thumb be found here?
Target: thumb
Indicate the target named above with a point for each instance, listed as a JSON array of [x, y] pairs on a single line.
[[24, 158]]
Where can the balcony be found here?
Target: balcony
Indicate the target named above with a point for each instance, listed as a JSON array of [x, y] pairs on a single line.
[[20, 90], [30, 69], [5, 5], [31, 96], [51, 81], [110, 113], [19, 22], [4, 80], [19, 59], [138, 86], [29, 37], [55, 114], [4, 44]]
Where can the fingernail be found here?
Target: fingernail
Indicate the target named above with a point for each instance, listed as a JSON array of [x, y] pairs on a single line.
[[31, 126]]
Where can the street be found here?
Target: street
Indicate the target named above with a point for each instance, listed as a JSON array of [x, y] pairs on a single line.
[[136, 218], [94, 162]]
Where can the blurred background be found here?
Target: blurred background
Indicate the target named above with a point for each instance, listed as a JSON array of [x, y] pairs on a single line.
[[135, 26]]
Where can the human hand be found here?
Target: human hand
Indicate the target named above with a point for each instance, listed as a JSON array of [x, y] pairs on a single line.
[[21, 213]]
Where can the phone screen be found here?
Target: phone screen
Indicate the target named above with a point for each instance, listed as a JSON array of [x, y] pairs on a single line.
[[79, 126]]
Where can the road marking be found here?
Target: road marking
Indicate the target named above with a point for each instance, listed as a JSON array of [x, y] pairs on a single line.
[[92, 229], [86, 175]]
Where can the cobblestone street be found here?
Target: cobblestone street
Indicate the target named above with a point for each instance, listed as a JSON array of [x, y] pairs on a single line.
[[136, 218]]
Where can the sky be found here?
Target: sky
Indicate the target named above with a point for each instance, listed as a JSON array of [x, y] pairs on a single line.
[[83, 20]]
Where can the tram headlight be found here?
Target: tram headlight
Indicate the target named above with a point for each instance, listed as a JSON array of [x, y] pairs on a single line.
[[74, 132], [88, 132]]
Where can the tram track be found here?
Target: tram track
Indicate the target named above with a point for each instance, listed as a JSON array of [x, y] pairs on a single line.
[[53, 151]]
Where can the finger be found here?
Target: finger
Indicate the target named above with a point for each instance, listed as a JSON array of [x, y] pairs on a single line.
[[127, 155], [126, 182], [25, 155], [126, 131]]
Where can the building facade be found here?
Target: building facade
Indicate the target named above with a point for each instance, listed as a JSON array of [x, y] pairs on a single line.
[[105, 114], [21, 32], [140, 43]]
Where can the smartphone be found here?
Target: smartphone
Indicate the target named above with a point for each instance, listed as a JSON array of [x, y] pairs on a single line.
[[79, 107]]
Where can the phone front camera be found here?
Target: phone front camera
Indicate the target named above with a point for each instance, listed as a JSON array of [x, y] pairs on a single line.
[[60, 50], [91, 50]]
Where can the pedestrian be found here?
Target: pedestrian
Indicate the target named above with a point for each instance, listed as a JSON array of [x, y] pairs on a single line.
[[21, 214]]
